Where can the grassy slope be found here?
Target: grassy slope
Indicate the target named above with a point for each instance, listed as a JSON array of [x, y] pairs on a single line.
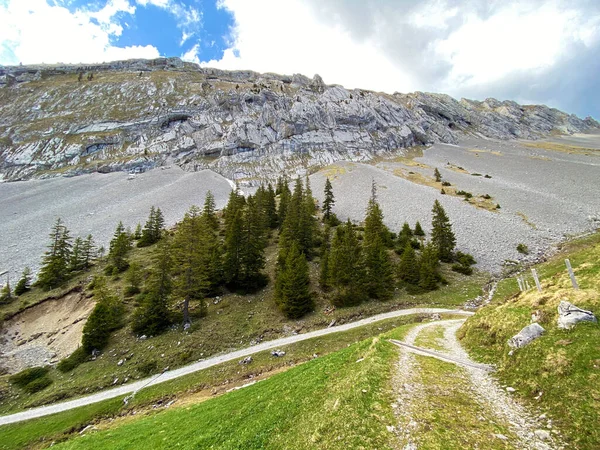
[[204, 384], [233, 323], [561, 366]]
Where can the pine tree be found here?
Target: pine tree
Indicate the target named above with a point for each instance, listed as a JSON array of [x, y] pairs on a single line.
[[437, 175], [233, 247], [419, 230], [158, 225], [379, 278], [118, 250], [408, 269], [77, 261], [153, 316], [252, 251], [105, 318], [328, 202], [324, 273], [428, 268], [285, 196], [294, 298], [442, 236], [153, 228], [346, 265], [192, 282], [137, 234], [88, 251], [55, 264], [209, 214], [24, 283], [6, 294], [271, 207], [406, 236], [133, 277]]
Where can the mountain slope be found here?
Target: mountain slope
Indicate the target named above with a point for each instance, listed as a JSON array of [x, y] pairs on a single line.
[[135, 115]]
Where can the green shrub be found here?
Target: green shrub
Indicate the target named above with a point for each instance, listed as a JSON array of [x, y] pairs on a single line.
[[37, 385], [465, 194], [486, 196], [27, 376], [76, 358], [446, 183], [148, 368], [465, 270], [523, 249]]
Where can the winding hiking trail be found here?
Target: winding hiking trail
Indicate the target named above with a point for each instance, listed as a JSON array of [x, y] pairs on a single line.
[[132, 388], [446, 400]]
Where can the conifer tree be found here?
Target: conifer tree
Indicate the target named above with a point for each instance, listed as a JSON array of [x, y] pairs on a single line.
[[209, 214], [133, 277], [6, 294], [24, 283], [285, 196], [55, 264], [408, 269], [437, 175], [428, 268], [419, 230], [153, 228], [442, 236], [77, 261], [294, 295], [235, 203], [88, 251], [137, 234], [192, 282], [346, 265], [105, 318], [271, 207], [253, 243], [233, 247], [324, 273], [328, 202], [118, 250], [379, 279], [153, 316], [406, 236]]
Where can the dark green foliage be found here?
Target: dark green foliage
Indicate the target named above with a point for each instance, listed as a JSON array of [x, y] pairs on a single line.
[[486, 196], [294, 297], [153, 316], [521, 248], [437, 175], [446, 183], [379, 278], [442, 236], [419, 230], [75, 359], [464, 261], [118, 250], [153, 228], [133, 277], [24, 283], [324, 272], [408, 269], [429, 268], [443, 192], [487, 176], [285, 195], [346, 263], [105, 318], [137, 234], [6, 294], [148, 368], [37, 385], [209, 214], [465, 194], [406, 236], [328, 216], [55, 264], [26, 376]]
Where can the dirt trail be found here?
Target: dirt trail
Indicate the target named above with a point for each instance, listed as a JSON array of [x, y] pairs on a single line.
[[489, 417], [45, 333]]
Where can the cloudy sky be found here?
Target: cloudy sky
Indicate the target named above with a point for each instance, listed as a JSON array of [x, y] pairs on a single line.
[[536, 51]]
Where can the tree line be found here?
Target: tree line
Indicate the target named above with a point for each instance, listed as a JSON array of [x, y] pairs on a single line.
[[211, 252]]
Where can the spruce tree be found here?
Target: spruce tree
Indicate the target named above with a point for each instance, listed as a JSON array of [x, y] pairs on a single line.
[[405, 236], [285, 196], [346, 265], [442, 236], [88, 251], [419, 230], [190, 256], [437, 175], [55, 264], [379, 279], [328, 202], [137, 234], [6, 294], [428, 268], [271, 207], [324, 273], [24, 283], [408, 269], [153, 316], [211, 242], [77, 261], [105, 318], [153, 228], [133, 277], [118, 250], [253, 244], [209, 214], [295, 298]]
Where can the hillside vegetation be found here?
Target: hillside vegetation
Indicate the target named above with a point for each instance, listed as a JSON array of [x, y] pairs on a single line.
[[560, 371]]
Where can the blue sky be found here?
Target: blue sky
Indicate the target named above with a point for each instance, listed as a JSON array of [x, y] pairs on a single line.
[[530, 51]]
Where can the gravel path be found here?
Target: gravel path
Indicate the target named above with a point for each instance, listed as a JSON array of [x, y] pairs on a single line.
[[204, 364], [529, 431]]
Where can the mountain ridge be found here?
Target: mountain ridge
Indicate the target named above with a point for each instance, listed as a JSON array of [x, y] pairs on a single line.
[[71, 119]]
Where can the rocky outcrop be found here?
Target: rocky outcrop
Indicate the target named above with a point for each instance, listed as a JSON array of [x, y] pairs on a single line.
[[135, 115], [526, 335], [570, 315]]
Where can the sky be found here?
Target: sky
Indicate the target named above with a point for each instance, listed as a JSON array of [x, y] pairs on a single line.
[[535, 51]]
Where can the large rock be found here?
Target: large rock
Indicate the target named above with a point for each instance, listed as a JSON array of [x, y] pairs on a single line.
[[570, 315], [526, 335]]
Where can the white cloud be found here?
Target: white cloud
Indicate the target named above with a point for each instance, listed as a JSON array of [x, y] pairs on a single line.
[[34, 32], [192, 54], [159, 3], [285, 37], [184, 37]]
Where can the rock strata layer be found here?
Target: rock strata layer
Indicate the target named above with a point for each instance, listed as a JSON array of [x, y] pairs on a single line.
[[135, 115]]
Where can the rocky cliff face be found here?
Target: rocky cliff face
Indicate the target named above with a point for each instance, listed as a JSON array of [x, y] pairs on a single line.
[[135, 115]]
